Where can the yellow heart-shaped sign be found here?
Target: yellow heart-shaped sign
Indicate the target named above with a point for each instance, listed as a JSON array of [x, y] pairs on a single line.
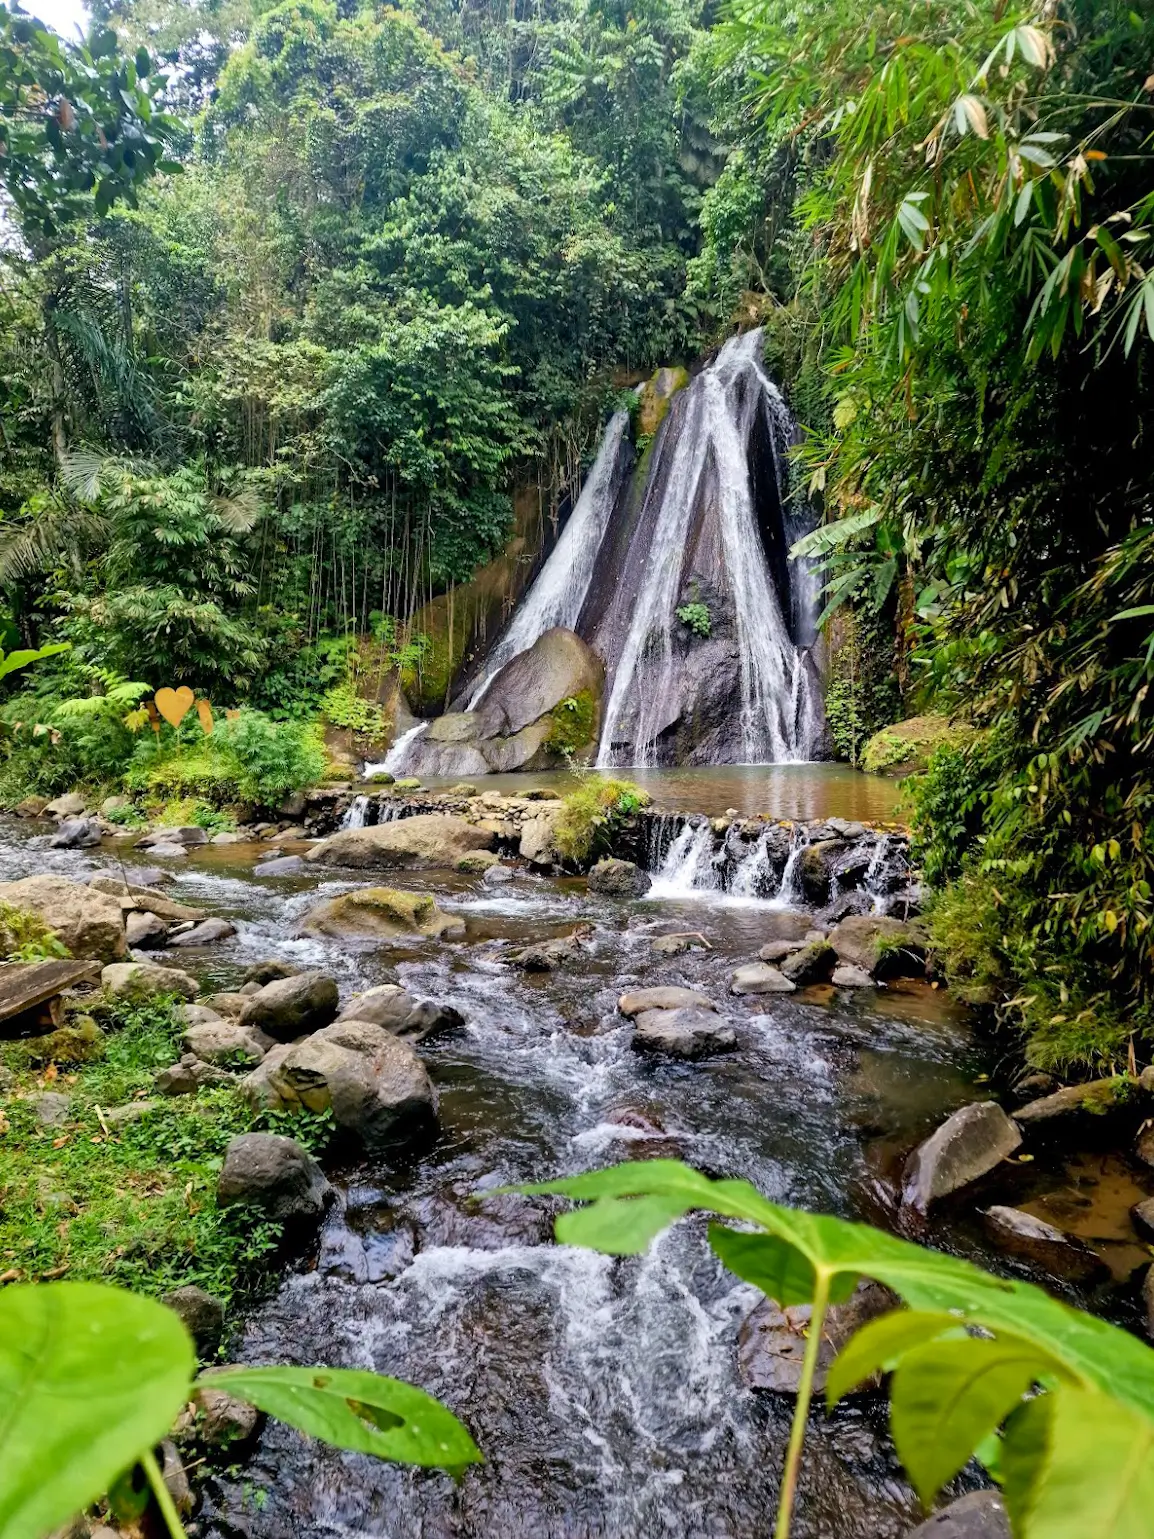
[[174, 704]]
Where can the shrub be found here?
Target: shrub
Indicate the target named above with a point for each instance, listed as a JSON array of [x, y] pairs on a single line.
[[272, 758], [344, 707], [592, 814], [696, 617], [24, 937]]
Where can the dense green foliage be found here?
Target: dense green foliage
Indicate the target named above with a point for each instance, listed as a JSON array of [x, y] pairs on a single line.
[[592, 814]]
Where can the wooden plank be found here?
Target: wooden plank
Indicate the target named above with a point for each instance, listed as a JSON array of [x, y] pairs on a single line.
[[25, 986]]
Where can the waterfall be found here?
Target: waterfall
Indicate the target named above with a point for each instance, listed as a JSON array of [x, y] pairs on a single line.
[[779, 695], [557, 596], [357, 812], [395, 759]]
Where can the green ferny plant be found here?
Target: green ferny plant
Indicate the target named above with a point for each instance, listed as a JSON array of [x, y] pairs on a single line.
[[1057, 1404], [93, 1377], [696, 617]]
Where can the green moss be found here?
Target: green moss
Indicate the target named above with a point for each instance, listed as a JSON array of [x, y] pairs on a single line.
[[906, 746], [25, 937], [591, 815], [572, 723]]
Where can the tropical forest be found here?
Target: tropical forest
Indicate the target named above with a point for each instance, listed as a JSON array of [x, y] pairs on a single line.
[[576, 769]]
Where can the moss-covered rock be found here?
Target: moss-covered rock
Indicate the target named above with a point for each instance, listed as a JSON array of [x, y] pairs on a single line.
[[656, 394], [907, 746], [382, 911], [573, 723], [79, 1040]]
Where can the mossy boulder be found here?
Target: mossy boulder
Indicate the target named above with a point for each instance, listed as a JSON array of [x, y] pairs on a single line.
[[79, 1040], [656, 394], [386, 912], [906, 747]]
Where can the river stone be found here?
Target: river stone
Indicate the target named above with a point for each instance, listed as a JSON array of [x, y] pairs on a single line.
[[269, 970], [385, 912], [537, 838], [677, 945], [477, 863], [428, 1019], [90, 924], [376, 1086], [144, 930], [497, 876], [1025, 1235], [1091, 1104], [619, 879], [205, 933], [274, 1174], [221, 1420], [849, 977], [32, 807], [815, 869], [667, 997], [777, 950], [685, 1033], [980, 1515], [69, 806], [387, 1006], [145, 899], [772, 1341], [228, 1003], [146, 980], [203, 1316], [544, 956], [1142, 1217], [76, 834], [51, 1109], [283, 865], [190, 834], [224, 1043], [812, 963], [876, 942], [290, 1007], [760, 978], [169, 851], [189, 1075], [968, 1145], [430, 839]]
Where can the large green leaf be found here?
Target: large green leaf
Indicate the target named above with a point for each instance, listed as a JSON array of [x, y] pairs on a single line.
[[1077, 1465], [90, 1378], [353, 1408], [775, 1266], [947, 1396], [879, 1344]]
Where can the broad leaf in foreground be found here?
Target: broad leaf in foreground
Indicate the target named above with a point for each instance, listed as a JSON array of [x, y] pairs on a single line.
[[353, 1408], [90, 1378]]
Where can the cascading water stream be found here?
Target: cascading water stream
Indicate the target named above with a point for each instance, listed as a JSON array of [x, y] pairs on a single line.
[[779, 698], [357, 813], [557, 596], [395, 759]]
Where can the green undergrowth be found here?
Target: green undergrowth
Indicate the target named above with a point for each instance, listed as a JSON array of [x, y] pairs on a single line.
[[571, 723], [24, 937], [592, 814], [94, 1199]]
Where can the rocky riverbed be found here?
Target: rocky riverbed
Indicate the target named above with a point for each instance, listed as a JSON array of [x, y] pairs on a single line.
[[494, 1021]]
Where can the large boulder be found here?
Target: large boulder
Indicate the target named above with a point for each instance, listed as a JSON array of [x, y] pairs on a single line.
[[146, 900], [772, 1341], [879, 944], [292, 1007], [816, 869], [226, 1044], [388, 1005], [760, 978], [431, 839], [812, 963], [980, 1515], [375, 1085], [619, 879], [538, 836], [685, 1033], [384, 912], [186, 837], [666, 997], [274, 1174], [967, 1146], [69, 806], [557, 667], [90, 924], [76, 834], [147, 980]]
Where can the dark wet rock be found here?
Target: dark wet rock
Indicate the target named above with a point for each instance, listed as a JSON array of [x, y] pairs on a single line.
[[274, 1174], [191, 1074], [813, 963], [376, 1086], [1034, 1086], [772, 1341], [1023, 1234], [172, 1472], [619, 879], [203, 1316], [880, 945], [968, 1145], [90, 923], [226, 1044], [1099, 1103], [495, 876], [683, 1033], [1142, 1216], [281, 865], [980, 1515], [384, 912], [221, 1421], [1144, 1145], [290, 1007], [147, 980], [76, 834], [187, 836], [629, 1117], [760, 978], [545, 956], [429, 1019], [677, 945], [785, 924], [430, 839], [666, 997], [815, 869], [849, 977], [145, 931], [270, 970], [293, 807], [205, 933]]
